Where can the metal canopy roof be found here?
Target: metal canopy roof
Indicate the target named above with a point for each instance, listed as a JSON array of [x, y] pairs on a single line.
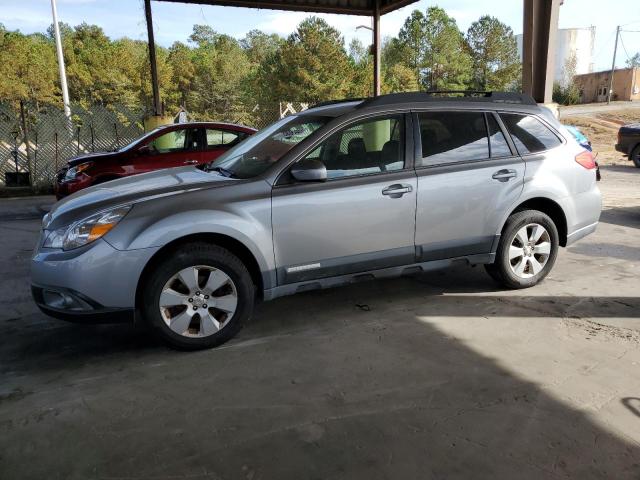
[[345, 7]]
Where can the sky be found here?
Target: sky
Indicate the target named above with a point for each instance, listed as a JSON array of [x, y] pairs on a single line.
[[120, 18]]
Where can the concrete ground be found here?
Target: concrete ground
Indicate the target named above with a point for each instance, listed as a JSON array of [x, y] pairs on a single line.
[[442, 376]]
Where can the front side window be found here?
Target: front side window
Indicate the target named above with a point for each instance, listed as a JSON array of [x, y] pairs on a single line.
[[366, 147], [175, 141], [260, 151], [452, 137], [529, 134]]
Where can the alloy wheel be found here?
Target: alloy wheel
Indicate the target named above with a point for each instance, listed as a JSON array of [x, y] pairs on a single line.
[[529, 250], [198, 301]]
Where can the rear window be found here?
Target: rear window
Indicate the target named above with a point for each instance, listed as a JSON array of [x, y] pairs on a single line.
[[451, 137], [529, 134]]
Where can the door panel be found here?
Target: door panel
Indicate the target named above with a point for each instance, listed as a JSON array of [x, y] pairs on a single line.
[[362, 218], [343, 226], [460, 207], [177, 148], [467, 180]]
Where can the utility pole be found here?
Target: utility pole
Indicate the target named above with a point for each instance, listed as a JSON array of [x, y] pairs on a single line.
[[613, 65], [63, 73]]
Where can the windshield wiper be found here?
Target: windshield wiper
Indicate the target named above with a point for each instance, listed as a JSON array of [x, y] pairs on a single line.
[[222, 171]]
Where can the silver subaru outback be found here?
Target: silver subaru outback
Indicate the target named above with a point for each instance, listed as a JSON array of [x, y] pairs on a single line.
[[342, 192]]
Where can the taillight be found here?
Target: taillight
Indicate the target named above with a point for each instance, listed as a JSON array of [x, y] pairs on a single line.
[[586, 160]]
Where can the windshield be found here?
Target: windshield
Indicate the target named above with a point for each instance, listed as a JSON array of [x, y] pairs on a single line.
[[257, 153]]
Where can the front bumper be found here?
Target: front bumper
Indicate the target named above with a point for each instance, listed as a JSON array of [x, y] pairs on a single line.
[[62, 188], [94, 283], [72, 306]]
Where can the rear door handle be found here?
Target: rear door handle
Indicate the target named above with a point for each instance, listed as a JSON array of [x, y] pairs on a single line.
[[397, 190], [504, 175], [190, 162]]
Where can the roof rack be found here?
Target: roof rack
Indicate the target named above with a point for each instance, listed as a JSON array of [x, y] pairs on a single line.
[[450, 95], [334, 102]]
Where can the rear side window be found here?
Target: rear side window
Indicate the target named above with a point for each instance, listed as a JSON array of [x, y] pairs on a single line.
[[529, 134], [218, 138], [452, 137]]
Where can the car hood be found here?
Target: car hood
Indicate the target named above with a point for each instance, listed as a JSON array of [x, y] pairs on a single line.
[[91, 157], [131, 190]]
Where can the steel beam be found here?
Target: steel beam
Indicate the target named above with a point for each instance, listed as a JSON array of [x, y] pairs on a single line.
[[376, 48], [538, 48], [157, 105]]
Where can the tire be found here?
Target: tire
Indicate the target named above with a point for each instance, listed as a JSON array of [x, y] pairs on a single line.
[[186, 321], [635, 156], [511, 272]]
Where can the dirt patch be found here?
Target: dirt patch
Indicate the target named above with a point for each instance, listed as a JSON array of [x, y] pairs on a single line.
[[602, 130]]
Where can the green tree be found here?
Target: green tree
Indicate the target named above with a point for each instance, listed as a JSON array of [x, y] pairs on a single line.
[[312, 65], [496, 64], [634, 61], [183, 71], [259, 45], [412, 43], [220, 68], [399, 78], [29, 68], [447, 63]]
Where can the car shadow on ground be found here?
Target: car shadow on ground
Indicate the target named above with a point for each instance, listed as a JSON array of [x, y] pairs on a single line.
[[622, 216], [337, 390], [460, 291]]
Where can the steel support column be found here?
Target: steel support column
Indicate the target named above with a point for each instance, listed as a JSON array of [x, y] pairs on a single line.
[[376, 48], [157, 105], [538, 48]]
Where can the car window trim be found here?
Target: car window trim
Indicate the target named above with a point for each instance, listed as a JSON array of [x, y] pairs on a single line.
[[563, 141], [505, 133], [408, 137]]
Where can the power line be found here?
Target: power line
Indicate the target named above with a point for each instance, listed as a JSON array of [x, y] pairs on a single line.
[[624, 48]]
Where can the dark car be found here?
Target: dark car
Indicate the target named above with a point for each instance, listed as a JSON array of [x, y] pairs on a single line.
[[168, 146], [629, 142]]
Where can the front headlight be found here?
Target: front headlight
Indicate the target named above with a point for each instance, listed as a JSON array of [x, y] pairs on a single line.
[[87, 230], [73, 172]]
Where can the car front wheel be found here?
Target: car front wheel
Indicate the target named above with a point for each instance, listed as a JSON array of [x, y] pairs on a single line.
[[527, 250], [199, 297]]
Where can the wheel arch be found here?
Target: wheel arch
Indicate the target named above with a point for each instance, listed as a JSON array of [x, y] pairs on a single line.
[[549, 207], [225, 241]]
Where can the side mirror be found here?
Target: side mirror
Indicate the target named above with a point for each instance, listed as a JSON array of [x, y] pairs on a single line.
[[144, 150], [309, 170]]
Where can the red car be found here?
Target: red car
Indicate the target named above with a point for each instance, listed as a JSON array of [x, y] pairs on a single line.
[[167, 146]]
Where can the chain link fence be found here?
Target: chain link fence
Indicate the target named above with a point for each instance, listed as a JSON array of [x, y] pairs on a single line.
[[39, 141]]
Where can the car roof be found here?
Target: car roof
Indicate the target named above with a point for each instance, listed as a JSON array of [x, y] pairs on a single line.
[[447, 99]]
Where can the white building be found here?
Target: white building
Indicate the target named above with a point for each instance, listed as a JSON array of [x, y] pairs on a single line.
[[571, 42]]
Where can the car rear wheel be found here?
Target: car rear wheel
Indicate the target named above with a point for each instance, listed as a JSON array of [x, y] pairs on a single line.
[[635, 156], [527, 250], [199, 297]]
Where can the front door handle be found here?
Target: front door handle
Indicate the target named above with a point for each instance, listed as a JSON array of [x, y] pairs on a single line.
[[504, 175], [190, 162], [397, 190]]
